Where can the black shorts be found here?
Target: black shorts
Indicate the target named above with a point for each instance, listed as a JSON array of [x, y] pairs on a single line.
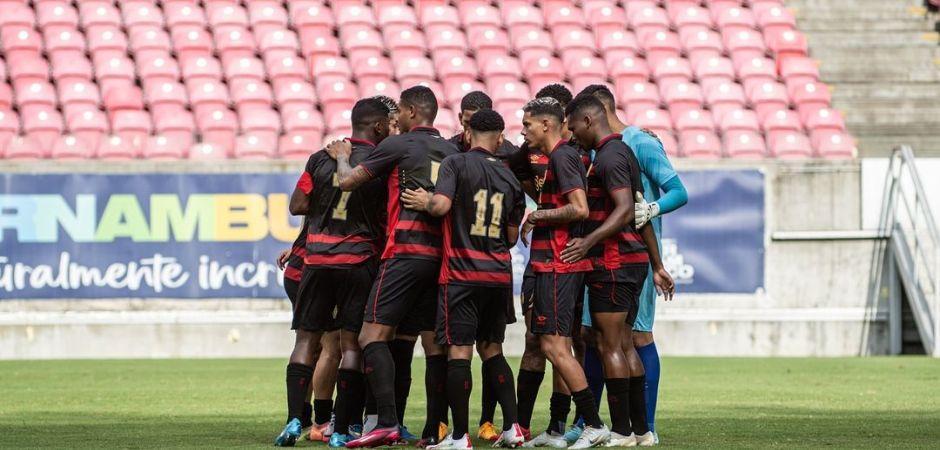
[[467, 314], [616, 290], [528, 289], [404, 295], [557, 305], [331, 299], [291, 287]]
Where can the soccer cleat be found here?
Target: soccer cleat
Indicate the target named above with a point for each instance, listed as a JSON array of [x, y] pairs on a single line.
[[646, 440], [355, 431], [376, 438], [442, 431], [449, 443], [487, 432], [289, 436], [406, 435], [511, 438], [547, 439], [619, 440], [574, 432], [592, 437], [321, 433], [372, 421], [338, 440], [427, 442], [526, 433]]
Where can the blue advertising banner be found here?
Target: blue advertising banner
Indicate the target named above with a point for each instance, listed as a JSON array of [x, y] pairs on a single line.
[[217, 235]]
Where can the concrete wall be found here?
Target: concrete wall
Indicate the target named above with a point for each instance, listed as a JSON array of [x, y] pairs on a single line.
[[816, 300]]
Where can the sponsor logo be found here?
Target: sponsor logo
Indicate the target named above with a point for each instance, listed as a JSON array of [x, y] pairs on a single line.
[[682, 272]]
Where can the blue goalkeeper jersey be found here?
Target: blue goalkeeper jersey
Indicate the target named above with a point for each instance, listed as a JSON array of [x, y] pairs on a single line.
[[655, 168]]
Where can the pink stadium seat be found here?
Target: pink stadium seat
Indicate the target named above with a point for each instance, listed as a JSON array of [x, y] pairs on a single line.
[[823, 119], [694, 119], [411, 71], [473, 12], [161, 148], [379, 87], [191, 43], [299, 145], [456, 67], [488, 42], [799, 70], [20, 42], [656, 120], [446, 122], [79, 92], [183, 14], [787, 44], [744, 43], [660, 46], [455, 90], [149, 40], [527, 39], [360, 38], [605, 16], [248, 68], [714, 71], [95, 12], [121, 98], [69, 147], [116, 147], [672, 69], [65, 41], [330, 66], [700, 144], [574, 43], [586, 70], [734, 19], [689, 16], [790, 145], [106, 40], [405, 42], [250, 95], [141, 14], [336, 92], [833, 144], [281, 41], [744, 144], [54, 15], [294, 92], [562, 14], [681, 96], [521, 14], [218, 128], [36, 93], [131, 124], [201, 67], [235, 43], [18, 15], [25, 147], [25, 70], [446, 39], [176, 125], [255, 146], [396, 16], [158, 68], [89, 126], [67, 67], [768, 97], [43, 124], [353, 13], [287, 68], [206, 151], [701, 44], [809, 97], [9, 126], [337, 125], [669, 144], [775, 19], [740, 120], [206, 95], [617, 43], [754, 70], [784, 120], [440, 14], [647, 19], [225, 14], [6, 97], [302, 121], [318, 41], [266, 15], [542, 71], [628, 69], [638, 96], [165, 95], [508, 94], [311, 14]]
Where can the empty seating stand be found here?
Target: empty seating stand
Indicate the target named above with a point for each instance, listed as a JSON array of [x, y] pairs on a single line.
[[210, 79]]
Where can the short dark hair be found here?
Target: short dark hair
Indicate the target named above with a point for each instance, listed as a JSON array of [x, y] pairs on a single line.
[[389, 102], [602, 93], [368, 111], [423, 98], [584, 103], [556, 91], [546, 106], [475, 101], [486, 120]]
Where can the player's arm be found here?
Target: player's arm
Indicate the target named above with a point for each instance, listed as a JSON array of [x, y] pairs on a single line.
[[661, 277], [349, 178], [515, 217], [577, 248], [656, 165], [300, 198], [575, 210]]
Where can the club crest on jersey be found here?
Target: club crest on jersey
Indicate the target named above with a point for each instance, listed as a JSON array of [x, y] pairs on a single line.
[[533, 158]]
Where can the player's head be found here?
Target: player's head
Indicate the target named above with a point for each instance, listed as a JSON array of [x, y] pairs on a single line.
[[370, 120], [471, 103], [418, 106], [392, 114], [587, 120], [556, 91], [485, 128], [542, 120], [602, 93]]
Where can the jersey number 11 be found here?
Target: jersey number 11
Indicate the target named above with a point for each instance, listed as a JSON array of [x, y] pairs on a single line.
[[479, 227]]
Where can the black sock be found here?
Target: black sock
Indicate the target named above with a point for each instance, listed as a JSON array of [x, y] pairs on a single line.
[[585, 401], [379, 369], [501, 382], [638, 405], [349, 386], [527, 391], [558, 407], [435, 384], [370, 402], [459, 385], [402, 352], [298, 381], [322, 410], [307, 416], [488, 398], [618, 401]]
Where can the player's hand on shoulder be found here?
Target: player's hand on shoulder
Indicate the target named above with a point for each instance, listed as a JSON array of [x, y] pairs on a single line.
[[282, 259], [339, 148], [416, 199], [664, 283]]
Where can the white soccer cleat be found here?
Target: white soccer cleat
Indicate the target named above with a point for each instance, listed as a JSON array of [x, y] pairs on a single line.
[[372, 420], [592, 437], [646, 440], [511, 438], [619, 440], [547, 439], [449, 443]]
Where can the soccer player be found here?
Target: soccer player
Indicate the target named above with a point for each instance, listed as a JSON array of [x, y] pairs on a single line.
[[406, 284], [621, 256], [562, 208], [666, 193], [343, 236], [471, 103], [482, 205]]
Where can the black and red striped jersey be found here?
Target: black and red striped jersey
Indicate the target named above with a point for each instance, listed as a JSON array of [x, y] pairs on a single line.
[[565, 173], [410, 160], [298, 251], [528, 164], [343, 228], [614, 167], [486, 199], [505, 151]]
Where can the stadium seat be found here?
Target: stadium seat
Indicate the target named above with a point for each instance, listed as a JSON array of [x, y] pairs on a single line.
[[235, 43], [266, 15], [106, 40], [739, 120], [226, 14], [309, 14], [833, 144], [162, 148], [563, 15], [694, 119], [95, 12], [301, 120], [141, 14], [734, 19], [701, 45], [9, 127], [250, 68], [132, 125], [528, 39], [784, 120], [206, 151], [388, 88], [80, 92], [183, 14], [163, 68], [656, 120], [317, 42], [617, 43], [689, 16], [121, 98], [218, 128], [574, 42], [790, 145], [299, 145], [646, 19], [117, 147], [351, 13], [809, 97], [473, 12], [68, 147], [456, 67], [25, 147], [823, 119], [744, 144], [660, 46], [412, 71], [767, 98], [27, 70], [681, 96], [638, 96], [405, 43], [256, 146], [285, 68], [65, 41], [714, 71], [446, 39], [89, 126], [700, 144], [628, 69], [787, 44], [248, 95], [672, 70]]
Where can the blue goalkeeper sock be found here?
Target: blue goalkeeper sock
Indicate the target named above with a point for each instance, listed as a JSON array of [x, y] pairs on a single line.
[[650, 358], [594, 372]]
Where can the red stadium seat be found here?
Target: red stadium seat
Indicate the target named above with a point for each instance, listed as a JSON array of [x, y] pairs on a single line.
[[255, 146], [116, 147], [744, 144], [70, 147], [700, 144]]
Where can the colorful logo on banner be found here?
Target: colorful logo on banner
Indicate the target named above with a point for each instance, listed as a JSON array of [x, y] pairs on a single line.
[[217, 235]]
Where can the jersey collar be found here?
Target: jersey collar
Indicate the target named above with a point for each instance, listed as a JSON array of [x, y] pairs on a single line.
[[560, 143], [360, 141], [481, 150], [608, 138], [425, 129]]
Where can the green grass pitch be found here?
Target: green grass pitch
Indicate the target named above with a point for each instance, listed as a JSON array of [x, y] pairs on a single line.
[[704, 402]]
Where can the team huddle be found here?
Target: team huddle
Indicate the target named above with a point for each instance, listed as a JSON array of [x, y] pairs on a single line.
[[407, 236]]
